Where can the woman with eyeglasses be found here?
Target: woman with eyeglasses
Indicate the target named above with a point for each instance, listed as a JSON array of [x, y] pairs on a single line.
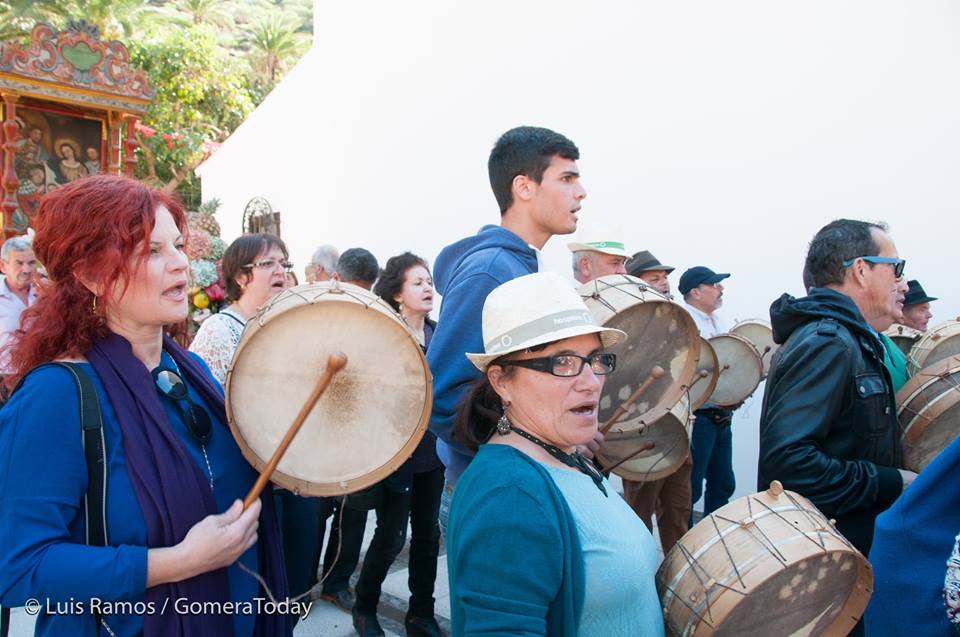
[[539, 543], [412, 493], [253, 269], [168, 527]]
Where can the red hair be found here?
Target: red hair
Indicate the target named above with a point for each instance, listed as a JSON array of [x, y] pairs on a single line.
[[89, 229]]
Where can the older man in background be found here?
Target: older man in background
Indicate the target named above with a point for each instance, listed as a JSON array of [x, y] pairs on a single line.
[[597, 257], [916, 307], [358, 266], [17, 291], [323, 265]]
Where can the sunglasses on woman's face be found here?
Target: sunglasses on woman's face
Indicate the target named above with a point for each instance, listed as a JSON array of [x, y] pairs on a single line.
[[194, 416]]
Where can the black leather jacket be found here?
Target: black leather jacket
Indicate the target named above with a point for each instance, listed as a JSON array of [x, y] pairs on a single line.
[[829, 429]]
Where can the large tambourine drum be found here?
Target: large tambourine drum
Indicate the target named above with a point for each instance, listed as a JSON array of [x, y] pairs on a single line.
[[929, 412], [760, 333], [903, 337], [766, 564], [705, 380], [661, 333], [670, 436], [741, 369], [939, 343], [374, 411]]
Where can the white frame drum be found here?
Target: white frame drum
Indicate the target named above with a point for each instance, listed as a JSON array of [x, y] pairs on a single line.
[[671, 445], [760, 333], [660, 334], [766, 564], [903, 337], [372, 415], [741, 369], [708, 373]]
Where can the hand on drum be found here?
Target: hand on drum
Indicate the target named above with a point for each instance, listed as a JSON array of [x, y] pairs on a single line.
[[591, 447], [908, 477]]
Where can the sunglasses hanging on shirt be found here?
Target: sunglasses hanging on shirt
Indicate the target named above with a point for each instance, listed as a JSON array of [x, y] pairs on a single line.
[[195, 417]]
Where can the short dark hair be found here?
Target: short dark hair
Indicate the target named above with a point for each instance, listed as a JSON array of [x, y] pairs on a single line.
[[394, 274], [837, 242], [241, 253], [357, 264], [525, 150]]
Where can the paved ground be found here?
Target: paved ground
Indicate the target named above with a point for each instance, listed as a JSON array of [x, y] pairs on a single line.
[[325, 620]]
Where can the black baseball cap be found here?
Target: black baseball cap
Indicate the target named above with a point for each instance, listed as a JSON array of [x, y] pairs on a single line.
[[915, 294], [698, 275], [644, 261]]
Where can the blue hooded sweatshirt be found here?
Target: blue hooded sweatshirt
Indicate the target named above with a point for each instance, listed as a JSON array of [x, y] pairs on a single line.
[[911, 544], [465, 273]]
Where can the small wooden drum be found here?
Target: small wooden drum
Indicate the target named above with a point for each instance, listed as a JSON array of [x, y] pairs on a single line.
[[903, 337], [929, 412], [671, 443], [374, 411], [766, 564], [939, 343], [760, 333], [741, 369], [661, 334], [703, 385]]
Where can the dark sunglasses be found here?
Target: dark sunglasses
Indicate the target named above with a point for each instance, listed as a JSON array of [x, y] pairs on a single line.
[[566, 365], [196, 418], [898, 264]]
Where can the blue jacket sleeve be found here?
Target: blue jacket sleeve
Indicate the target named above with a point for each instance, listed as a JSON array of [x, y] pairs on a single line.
[[507, 567], [43, 478], [458, 331]]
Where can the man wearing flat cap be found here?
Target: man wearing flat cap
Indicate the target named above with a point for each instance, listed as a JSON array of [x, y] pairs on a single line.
[[669, 498], [597, 256], [712, 441], [916, 306], [648, 268]]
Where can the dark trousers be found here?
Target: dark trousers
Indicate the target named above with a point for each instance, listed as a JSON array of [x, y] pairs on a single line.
[[421, 506], [303, 521], [346, 538], [712, 449], [4, 621]]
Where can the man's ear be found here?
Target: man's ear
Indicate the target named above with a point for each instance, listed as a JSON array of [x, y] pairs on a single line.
[[524, 188]]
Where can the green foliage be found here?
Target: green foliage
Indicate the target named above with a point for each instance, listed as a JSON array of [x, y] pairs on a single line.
[[202, 96]]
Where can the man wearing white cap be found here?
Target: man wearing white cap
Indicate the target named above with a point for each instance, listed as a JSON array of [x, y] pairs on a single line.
[[594, 257]]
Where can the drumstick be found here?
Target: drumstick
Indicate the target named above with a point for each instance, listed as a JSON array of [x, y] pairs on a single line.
[[655, 373], [648, 445], [335, 362]]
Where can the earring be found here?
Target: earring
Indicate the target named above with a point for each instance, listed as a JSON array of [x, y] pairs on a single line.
[[503, 425], [94, 303]]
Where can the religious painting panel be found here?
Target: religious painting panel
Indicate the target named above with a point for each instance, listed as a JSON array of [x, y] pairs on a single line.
[[54, 146]]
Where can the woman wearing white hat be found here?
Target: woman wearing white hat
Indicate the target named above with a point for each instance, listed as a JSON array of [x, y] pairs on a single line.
[[538, 542]]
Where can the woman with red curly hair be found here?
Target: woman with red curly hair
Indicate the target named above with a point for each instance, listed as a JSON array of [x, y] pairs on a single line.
[[176, 532]]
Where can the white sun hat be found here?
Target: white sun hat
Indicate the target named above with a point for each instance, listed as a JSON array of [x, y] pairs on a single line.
[[533, 310], [607, 241]]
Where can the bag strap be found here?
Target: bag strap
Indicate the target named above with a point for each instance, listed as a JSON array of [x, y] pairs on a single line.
[[94, 452]]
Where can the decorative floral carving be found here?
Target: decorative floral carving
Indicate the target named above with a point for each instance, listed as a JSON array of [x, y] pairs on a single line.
[[76, 56]]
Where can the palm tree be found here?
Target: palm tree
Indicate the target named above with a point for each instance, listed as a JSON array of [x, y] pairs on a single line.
[[206, 11], [275, 40]]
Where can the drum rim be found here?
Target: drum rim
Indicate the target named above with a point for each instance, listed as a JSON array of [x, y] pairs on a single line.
[[671, 397], [301, 486], [757, 359], [711, 383], [917, 358]]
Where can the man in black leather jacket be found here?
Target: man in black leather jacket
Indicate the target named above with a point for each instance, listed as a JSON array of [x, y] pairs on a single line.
[[829, 426]]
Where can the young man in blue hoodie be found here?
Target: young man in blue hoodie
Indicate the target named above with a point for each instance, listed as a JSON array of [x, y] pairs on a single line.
[[535, 179]]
